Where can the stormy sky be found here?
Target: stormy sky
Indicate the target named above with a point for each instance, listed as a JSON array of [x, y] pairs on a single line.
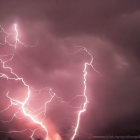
[[56, 30]]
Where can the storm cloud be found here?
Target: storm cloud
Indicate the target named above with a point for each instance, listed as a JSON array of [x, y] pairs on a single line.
[[110, 30]]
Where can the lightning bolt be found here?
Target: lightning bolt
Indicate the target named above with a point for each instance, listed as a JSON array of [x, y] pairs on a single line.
[[86, 65], [17, 78], [16, 36], [22, 105]]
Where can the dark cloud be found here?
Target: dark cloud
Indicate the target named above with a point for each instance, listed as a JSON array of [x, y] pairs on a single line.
[[110, 30]]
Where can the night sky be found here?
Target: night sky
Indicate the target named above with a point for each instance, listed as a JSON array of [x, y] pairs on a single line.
[[55, 30]]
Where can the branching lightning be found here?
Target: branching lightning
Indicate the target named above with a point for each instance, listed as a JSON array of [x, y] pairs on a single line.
[[8, 35], [86, 64], [17, 78], [23, 104]]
